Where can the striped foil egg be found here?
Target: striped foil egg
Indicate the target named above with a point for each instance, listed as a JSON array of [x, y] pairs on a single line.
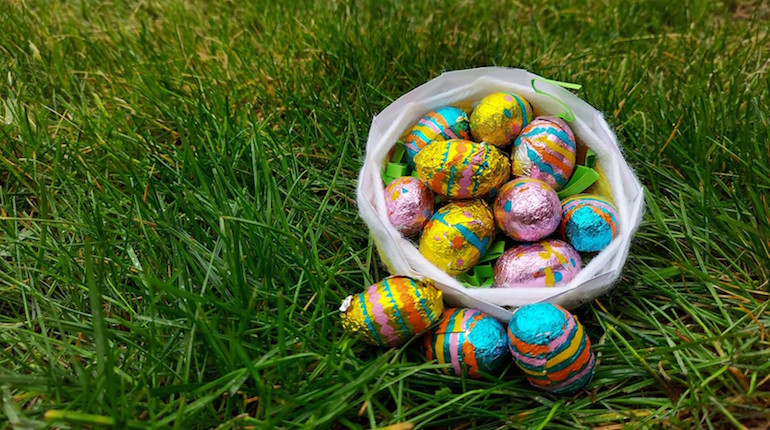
[[392, 311], [589, 222], [444, 123], [549, 344], [469, 340], [499, 118], [461, 169], [458, 235], [545, 150]]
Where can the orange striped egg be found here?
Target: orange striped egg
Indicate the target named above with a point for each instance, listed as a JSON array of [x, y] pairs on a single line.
[[469, 340], [549, 344], [545, 150], [392, 311]]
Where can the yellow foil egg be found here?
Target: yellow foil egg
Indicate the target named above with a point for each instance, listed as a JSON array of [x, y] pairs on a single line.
[[458, 235], [392, 311], [499, 118], [461, 169]]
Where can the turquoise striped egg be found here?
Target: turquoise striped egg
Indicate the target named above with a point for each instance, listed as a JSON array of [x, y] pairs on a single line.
[[549, 344]]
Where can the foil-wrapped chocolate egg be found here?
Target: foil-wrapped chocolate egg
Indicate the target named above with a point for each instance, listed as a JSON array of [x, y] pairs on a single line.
[[461, 169], [548, 263], [409, 204], [392, 311], [545, 150], [444, 123], [551, 347], [458, 235], [527, 209], [499, 118], [589, 222], [468, 339]]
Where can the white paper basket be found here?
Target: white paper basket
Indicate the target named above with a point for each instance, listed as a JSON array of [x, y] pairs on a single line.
[[402, 257]]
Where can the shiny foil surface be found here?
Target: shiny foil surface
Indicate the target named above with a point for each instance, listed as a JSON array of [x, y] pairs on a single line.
[[551, 347], [549, 263], [458, 235], [470, 341], [499, 118], [409, 204], [545, 150], [527, 209], [588, 222], [461, 169], [444, 123], [392, 311]]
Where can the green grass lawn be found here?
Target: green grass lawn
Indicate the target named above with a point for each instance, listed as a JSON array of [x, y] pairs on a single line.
[[178, 226]]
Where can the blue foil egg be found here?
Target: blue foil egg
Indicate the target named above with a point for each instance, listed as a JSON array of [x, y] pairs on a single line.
[[588, 222]]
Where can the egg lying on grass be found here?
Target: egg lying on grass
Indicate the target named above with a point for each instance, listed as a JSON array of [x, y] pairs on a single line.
[[392, 311], [550, 346], [469, 340]]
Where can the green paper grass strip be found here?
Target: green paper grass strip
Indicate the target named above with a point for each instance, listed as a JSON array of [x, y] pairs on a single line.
[[398, 152], [495, 251], [567, 115], [582, 178], [486, 274], [469, 280], [395, 168], [567, 85], [481, 276], [393, 171], [484, 271], [590, 158]]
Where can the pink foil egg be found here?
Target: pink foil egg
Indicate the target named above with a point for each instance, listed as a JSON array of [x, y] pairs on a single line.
[[527, 209], [549, 263], [409, 203]]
